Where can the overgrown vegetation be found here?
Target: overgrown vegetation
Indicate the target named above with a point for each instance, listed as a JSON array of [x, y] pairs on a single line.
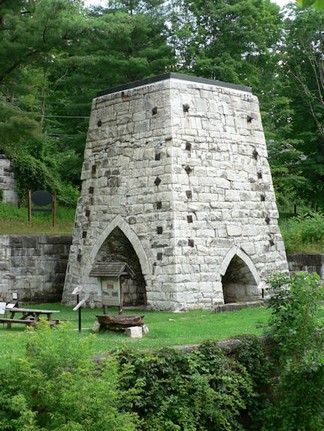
[[171, 390], [298, 402], [202, 390], [160, 390], [56, 386], [303, 232], [40, 174]]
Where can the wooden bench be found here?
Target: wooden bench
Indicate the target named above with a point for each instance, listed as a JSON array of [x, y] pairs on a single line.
[[10, 321]]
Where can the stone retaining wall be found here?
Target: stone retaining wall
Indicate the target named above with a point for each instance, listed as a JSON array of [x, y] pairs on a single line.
[[33, 267], [307, 263], [7, 181]]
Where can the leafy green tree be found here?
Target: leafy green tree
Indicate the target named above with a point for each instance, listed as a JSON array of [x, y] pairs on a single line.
[[123, 43], [287, 173], [301, 137], [32, 33], [33, 29], [55, 56], [228, 40], [317, 4]]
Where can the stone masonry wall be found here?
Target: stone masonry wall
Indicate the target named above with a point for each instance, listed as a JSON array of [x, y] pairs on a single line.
[[306, 263], [7, 181], [179, 165], [33, 267], [17, 270]]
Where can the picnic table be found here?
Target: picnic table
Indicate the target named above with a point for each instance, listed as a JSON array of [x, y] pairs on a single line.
[[27, 316]]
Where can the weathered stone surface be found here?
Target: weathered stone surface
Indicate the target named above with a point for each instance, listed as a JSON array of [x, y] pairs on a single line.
[[187, 181], [145, 329], [238, 306], [33, 267], [134, 332], [96, 326], [7, 181], [307, 263]]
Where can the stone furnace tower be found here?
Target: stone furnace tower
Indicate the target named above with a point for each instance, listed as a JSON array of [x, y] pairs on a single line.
[[177, 185]]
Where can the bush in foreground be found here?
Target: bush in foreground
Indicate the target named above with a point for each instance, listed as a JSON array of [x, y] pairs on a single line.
[[298, 402], [56, 386]]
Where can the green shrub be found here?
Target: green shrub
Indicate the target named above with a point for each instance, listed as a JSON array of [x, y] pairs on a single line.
[[298, 402], [294, 307], [33, 174], [251, 354], [201, 390], [68, 195], [56, 386]]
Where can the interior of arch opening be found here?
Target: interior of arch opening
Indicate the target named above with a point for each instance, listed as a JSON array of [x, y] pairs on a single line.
[[238, 283], [117, 247]]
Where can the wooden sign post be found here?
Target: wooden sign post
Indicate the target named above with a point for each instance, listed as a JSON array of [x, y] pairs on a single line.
[[41, 198]]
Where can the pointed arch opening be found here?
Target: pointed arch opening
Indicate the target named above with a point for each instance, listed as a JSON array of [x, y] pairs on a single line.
[[118, 248], [239, 280]]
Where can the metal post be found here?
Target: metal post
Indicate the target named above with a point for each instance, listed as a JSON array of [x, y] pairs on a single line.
[[54, 210], [29, 208], [79, 312], [79, 289]]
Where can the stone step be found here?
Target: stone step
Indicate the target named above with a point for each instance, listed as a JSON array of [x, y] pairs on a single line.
[[239, 305]]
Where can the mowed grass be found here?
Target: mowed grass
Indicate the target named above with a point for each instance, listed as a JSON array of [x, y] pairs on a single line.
[[166, 329]]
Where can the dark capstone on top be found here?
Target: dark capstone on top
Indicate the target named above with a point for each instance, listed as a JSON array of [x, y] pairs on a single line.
[[166, 76]]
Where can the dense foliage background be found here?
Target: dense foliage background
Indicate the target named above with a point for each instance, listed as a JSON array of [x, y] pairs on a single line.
[[56, 54]]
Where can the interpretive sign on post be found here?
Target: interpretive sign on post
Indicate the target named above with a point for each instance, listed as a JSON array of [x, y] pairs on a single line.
[[39, 201], [110, 291]]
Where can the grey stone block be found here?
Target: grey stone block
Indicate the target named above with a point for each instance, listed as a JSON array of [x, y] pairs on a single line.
[[134, 332]]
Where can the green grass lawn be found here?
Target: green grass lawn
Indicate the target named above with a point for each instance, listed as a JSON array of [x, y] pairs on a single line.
[[165, 328], [14, 220]]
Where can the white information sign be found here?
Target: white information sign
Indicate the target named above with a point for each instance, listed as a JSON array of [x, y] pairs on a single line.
[[2, 307]]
